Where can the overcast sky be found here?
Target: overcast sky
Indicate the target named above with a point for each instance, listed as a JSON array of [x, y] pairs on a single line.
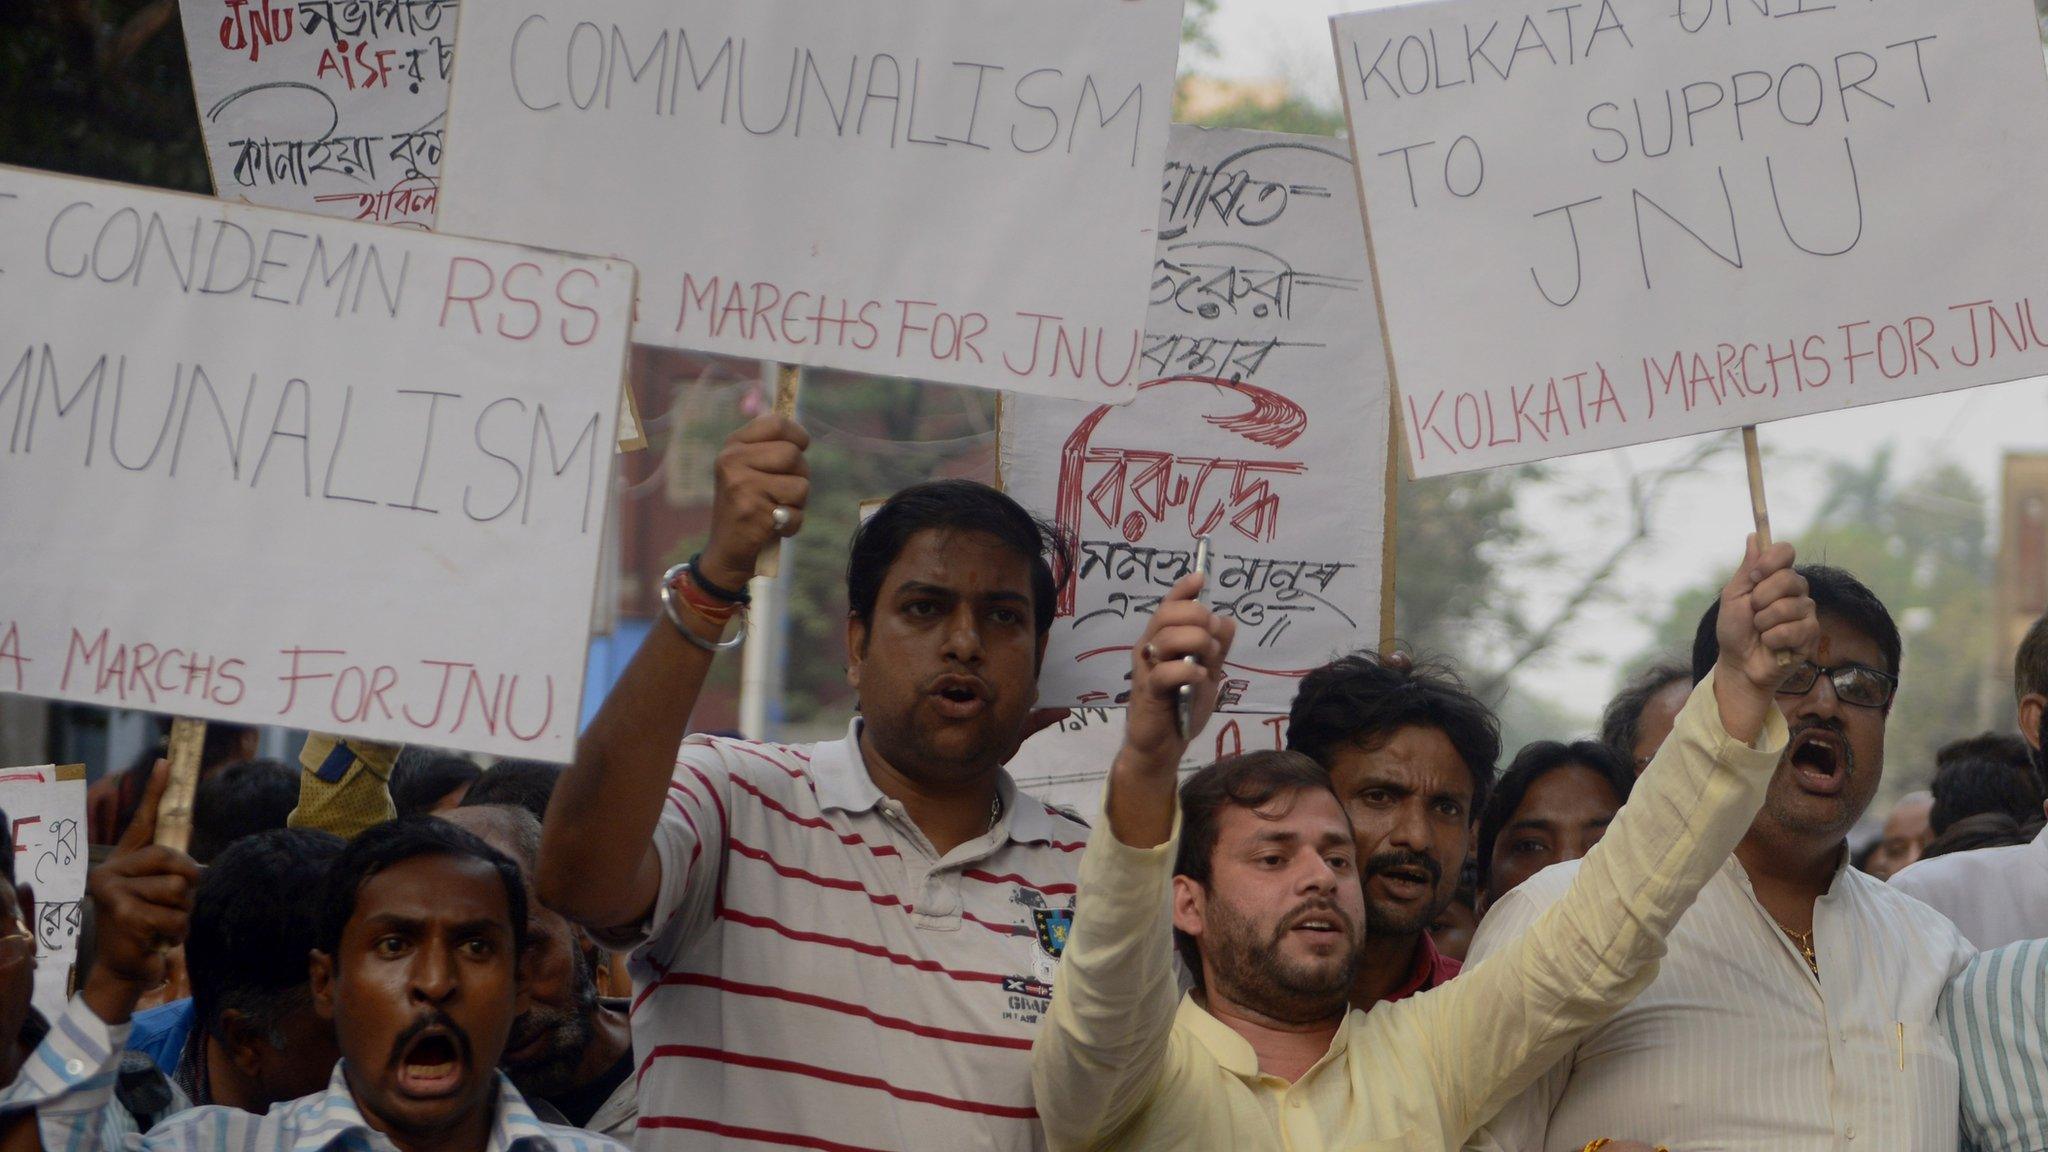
[[1290, 39]]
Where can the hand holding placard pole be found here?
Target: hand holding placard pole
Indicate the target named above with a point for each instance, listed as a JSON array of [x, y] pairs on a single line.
[[1757, 506], [789, 380]]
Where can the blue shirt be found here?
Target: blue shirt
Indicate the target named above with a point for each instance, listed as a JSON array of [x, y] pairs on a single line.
[[161, 1033]]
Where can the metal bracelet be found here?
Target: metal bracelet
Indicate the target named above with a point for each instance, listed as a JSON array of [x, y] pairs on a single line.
[[668, 609]]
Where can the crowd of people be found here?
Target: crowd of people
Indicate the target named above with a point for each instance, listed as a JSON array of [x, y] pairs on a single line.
[[1375, 939]]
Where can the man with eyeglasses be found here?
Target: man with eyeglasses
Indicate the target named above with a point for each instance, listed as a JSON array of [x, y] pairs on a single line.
[[1795, 1009]]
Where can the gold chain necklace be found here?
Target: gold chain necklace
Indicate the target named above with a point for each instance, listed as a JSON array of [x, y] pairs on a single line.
[[1804, 942]]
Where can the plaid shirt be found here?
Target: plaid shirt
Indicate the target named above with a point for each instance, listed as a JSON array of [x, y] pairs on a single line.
[[70, 1081]]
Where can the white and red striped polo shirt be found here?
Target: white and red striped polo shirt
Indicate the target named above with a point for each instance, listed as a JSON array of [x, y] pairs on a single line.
[[816, 976]]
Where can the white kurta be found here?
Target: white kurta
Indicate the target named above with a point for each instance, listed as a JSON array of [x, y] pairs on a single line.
[[1736, 1047]]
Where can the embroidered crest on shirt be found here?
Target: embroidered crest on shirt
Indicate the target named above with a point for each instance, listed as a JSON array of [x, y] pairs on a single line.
[[1028, 997]]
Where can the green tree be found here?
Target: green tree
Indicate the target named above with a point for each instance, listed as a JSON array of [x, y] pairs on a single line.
[[99, 88], [1922, 543]]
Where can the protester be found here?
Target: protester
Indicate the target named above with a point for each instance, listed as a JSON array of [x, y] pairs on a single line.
[[425, 782], [1260, 872], [522, 783], [1553, 804], [143, 898], [571, 1054], [1451, 931], [249, 1036], [1639, 718], [1795, 1007], [240, 800], [1907, 829], [1985, 774], [420, 930], [1411, 753], [1996, 1016], [845, 944], [1998, 895]]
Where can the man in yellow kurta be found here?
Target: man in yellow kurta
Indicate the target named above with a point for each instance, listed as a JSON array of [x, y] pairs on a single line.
[[1255, 872]]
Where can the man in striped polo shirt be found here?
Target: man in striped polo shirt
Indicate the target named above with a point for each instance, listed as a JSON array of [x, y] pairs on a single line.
[[1996, 1015], [846, 945]]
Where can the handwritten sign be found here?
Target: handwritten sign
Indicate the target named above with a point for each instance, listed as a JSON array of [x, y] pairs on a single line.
[[274, 468], [953, 190], [1620, 221], [46, 808], [327, 106], [1066, 764], [1261, 421]]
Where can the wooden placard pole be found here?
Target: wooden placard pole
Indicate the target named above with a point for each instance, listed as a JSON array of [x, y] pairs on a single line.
[[1389, 544], [1758, 507], [174, 811], [789, 381]]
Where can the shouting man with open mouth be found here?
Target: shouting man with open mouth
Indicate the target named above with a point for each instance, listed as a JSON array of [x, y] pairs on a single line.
[[1795, 1011], [421, 927]]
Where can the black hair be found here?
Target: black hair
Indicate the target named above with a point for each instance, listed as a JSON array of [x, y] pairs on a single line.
[[1252, 781], [6, 848], [1531, 764], [2030, 674], [1835, 593], [422, 777], [957, 506], [395, 842], [1622, 724], [2030, 663], [527, 784], [1361, 700], [252, 928], [1972, 783], [1983, 830], [1467, 892], [240, 800]]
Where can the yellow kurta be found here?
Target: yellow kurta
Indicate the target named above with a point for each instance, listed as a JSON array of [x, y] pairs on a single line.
[[1118, 1066]]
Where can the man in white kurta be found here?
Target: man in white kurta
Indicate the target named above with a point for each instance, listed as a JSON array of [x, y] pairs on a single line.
[[1795, 1010]]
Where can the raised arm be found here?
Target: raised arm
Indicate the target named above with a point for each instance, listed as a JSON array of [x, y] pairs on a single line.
[[598, 863], [1105, 1040], [1489, 1034]]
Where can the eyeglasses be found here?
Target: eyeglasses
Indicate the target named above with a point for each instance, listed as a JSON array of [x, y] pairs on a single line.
[[1855, 684]]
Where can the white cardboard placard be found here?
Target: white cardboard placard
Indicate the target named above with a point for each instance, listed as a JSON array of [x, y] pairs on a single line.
[[47, 819], [1066, 764], [274, 468], [334, 107], [952, 190], [1616, 222], [1262, 420]]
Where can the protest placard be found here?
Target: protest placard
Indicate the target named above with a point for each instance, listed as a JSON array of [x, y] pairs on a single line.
[[1614, 222], [1261, 421], [274, 468], [1066, 764], [952, 190], [327, 106], [45, 807]]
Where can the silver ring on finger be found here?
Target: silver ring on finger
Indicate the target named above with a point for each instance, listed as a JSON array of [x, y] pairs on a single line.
[[781, 518]]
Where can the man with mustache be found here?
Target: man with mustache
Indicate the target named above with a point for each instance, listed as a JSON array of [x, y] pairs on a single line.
[[421, 926], [846, 944], [1256, 871], [571, 1053], [1796, 1009], [1411, 753]]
